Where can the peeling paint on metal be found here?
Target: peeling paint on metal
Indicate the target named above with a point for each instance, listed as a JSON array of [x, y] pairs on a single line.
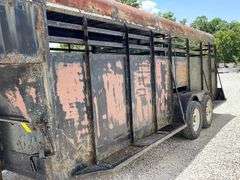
[[16, 99], [70, 88], [113, 86], [141, 96], [163, 91]]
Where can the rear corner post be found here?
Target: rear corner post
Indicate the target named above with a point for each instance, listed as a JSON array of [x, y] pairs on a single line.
[[201, 66], [188, 63], [153, 80], [210, 68], [128, 83]]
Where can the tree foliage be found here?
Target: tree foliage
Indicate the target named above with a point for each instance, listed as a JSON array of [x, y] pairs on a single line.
[[227, 36], [134, 3], [228, 45], [168, 15], [202, 23]]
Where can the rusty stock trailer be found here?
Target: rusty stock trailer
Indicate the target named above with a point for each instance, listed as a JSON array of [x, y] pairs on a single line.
[[89, 85]]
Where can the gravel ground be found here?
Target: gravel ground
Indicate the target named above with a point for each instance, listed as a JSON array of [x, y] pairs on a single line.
[[215, 155]]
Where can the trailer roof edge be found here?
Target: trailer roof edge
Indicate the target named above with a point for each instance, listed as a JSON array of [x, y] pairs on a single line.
[[110, 9]]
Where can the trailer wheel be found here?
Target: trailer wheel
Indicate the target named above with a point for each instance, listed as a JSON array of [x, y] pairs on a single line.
[[207, 107], [193, 120]]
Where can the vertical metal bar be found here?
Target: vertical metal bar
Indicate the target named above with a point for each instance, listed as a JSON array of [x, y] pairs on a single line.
[[170, 50], [201, 64], [88, 88], [173, 81], [215, 69], [169, 53], [69, 47], [210, 68], [128, 84], [188, 63], [153, 80]]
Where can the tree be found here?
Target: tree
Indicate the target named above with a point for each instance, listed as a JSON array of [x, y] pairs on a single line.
[[216, 25], [226, 35], [201, 23], [228, 45], [183, 21], [134, 3], [168, 15]]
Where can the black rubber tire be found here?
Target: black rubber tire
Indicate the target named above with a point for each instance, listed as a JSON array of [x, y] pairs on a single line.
[[206, 123], [189, 132]]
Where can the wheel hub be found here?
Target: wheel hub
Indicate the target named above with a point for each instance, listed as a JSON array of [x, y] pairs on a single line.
[[196, 119], [209, 111]]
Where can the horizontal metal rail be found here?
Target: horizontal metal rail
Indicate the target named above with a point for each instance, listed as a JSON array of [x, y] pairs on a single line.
[[64, 25], [56, 39], [105, 44], [71, 26]]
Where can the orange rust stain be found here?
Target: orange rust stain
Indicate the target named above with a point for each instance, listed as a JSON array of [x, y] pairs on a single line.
[[162, 84], [114, 88], [70, 88], [143, 95], [15, 98], [181, 73]]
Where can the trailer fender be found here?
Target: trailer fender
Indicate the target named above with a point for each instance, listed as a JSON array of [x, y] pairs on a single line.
[[187, 97]]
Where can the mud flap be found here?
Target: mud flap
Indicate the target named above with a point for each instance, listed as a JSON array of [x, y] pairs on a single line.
[[220, 95]]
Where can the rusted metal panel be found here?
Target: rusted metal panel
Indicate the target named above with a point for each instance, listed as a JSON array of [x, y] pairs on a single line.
[[22, 91], [143, 124], [22, 96], [72, 127], [163, 91], [109, 103], [117, 11], [21, 32], [195, 73], [180, 71]]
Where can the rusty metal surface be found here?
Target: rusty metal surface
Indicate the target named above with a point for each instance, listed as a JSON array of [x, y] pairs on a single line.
[[143, 124], [71, 124], [21, 95], [58, 91], [22, 81], [109, 103], [21, 32], [163, 92], [115, 10], [180, 71], [206, 82], [22, 91], [195, 73]]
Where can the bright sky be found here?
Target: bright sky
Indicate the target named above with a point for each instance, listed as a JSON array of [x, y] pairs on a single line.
[[190, 9]]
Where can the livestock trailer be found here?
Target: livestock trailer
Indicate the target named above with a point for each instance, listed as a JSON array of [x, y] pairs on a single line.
[[89, 85]]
